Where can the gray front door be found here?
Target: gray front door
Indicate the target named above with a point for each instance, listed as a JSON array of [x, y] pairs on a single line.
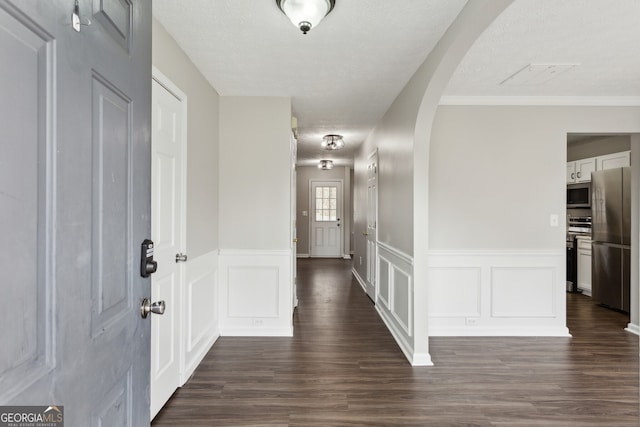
[[74, 207]]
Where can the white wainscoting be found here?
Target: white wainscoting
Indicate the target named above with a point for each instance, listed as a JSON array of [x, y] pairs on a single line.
[[256, 293], [200, 320], [394, 296], [497, 293]]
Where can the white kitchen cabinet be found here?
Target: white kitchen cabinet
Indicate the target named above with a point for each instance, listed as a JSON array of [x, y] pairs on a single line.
[[580, 170], [615, 160], [584, 265]]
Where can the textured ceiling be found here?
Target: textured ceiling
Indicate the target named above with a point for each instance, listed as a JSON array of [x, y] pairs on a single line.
[[342, 76], [602, 36], [345, 73]]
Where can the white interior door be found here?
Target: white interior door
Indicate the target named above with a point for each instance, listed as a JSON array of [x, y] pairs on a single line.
[[326, 219], [372, 220], [168, 146]]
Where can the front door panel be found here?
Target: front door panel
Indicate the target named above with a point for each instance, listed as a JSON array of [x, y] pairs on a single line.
[[75, 207], [326, 219]]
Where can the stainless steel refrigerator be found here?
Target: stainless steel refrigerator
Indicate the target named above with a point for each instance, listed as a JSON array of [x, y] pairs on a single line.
[[611, 235]]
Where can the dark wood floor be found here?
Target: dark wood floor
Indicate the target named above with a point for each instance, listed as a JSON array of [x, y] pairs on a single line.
[[343, 368]]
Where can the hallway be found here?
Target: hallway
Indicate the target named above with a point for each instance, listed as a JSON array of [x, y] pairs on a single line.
[[343, 368]]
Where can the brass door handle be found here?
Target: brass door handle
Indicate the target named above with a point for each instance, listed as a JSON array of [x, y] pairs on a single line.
[[365, 234], [295, 240]]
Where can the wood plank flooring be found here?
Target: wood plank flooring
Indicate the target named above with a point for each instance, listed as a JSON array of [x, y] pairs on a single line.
[[343, 368]]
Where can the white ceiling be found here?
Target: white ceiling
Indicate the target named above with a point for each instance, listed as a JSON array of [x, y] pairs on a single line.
[[345, 73]]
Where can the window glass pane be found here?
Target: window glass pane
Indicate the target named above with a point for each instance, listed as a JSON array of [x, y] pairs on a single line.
[[334, 192], [325, 192], [325, 204], [318, 215], [332, 215], [318, 192], [332, 203], [325, 215]]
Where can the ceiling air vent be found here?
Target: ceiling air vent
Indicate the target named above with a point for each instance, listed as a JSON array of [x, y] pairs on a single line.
[[536, 74]]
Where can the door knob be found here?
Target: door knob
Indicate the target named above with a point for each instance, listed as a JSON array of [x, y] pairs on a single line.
[[181, 257], [295, 240], [149, 307]]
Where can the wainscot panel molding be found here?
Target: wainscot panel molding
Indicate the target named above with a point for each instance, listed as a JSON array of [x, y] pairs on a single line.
[[256, 293], [497, 293], [394, 299], [200, 325], [633, 328]]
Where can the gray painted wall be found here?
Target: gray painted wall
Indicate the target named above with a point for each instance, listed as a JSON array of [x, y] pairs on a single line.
[[202, 141], [255, 170], [497, 173], [304, 175]]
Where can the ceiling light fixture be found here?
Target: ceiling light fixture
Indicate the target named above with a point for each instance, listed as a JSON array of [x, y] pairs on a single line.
[[306, 14], [325, 165], [332, 142]]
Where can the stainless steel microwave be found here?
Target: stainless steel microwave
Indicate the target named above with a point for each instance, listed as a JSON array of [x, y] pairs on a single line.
[[579, 195]]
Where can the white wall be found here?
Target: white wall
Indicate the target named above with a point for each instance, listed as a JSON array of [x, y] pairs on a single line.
[[200, 290], [255, 216], [254, 172], [497, 173]]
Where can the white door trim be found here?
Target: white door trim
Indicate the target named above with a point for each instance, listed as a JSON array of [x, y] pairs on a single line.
[[180, 295], [340, 213]]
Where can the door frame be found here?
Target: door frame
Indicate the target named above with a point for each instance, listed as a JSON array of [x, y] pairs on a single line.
[[174, 90], [372, 286], [339, 214]]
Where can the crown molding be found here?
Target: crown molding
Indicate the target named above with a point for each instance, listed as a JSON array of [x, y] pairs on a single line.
[[580, 101]]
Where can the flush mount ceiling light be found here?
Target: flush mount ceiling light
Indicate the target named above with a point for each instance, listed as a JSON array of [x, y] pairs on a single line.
[[305, 14], [332, 142], [325, 165]]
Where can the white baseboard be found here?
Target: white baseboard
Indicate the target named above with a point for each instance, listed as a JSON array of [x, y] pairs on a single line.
[[346, 256], [503, 331], [415, 359], [303, 256], [196, 359], [255, 332], [634, 329], [359, 279]]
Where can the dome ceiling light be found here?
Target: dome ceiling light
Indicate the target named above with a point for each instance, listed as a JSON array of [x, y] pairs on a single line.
[[306, 14], [332, 142], [325, 165]]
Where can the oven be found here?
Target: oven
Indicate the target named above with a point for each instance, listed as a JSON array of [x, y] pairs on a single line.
[[577, 226]]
